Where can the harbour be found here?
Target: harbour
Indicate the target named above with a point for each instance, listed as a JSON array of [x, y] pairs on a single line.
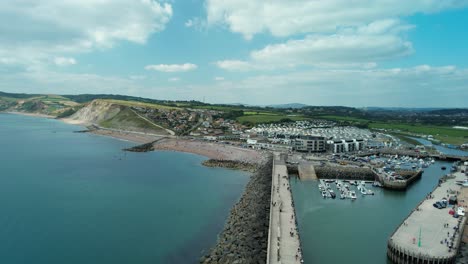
[[432, 233], [349, 225]]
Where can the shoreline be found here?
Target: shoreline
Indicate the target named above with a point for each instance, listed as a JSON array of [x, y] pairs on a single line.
[[31, 114], [210, 150]]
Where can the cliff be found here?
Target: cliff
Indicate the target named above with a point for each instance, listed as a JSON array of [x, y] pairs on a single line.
[[111, 115]]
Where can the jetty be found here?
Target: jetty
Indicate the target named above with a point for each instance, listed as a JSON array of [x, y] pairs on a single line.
[[283, 237], [430, 235], [306, 171]]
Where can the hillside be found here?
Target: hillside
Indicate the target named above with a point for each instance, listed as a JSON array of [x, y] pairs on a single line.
[[196, 118], [112, 115]]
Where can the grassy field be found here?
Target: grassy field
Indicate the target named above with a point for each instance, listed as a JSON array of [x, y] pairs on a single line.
[[447, 135], [405, 138], [134, 103], [344, 118], [444, 134], [259, 113], [127, 119], [256, 119]]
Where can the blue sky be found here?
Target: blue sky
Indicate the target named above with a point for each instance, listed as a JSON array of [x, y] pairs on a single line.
[[335, 52]]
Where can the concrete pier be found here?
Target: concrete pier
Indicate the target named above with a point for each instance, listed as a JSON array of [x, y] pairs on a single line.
[[423, 235], [283, 237], [306, 171]]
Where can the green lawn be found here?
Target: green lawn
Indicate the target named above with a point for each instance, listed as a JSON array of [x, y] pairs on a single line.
[[344, 118]]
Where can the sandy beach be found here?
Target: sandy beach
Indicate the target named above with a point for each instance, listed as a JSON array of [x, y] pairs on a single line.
[[210, 150], [137, 138]]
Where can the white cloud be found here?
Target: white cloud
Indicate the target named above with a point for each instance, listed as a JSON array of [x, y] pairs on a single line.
[[64, 61], [363, 46], [174, 79], [289, 17], [196, 23], [35, 31], [219, 78], [172, 67], [235, 65], [189, 23], [419, 86]]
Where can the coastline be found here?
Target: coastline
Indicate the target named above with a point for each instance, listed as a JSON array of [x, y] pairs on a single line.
[[31, 114], [210, 150], [249, 216]]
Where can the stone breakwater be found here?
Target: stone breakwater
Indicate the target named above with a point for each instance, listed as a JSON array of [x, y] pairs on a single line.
[[245, 235], [231, 164], [341, 172], [141, 148]]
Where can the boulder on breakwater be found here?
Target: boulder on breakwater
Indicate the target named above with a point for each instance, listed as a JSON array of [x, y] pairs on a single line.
[[245, 235], [142, 148], [231, 164]]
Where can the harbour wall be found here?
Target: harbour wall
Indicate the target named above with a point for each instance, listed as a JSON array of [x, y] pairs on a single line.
[[399, 254], [414, 154], [410, 177], [345, 173], [245, 235]]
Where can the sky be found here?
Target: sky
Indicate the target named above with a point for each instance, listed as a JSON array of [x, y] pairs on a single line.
[[388, 53]]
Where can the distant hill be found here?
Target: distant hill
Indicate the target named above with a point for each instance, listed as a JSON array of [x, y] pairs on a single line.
[[291, 105], [17, 95], [401, 109]]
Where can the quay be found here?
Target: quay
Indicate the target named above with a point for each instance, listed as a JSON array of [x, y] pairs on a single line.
[[283, 237], [306, 171], [386, 151], [430, 235]]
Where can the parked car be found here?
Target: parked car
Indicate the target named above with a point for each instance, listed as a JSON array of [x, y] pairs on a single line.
[[440, 204]]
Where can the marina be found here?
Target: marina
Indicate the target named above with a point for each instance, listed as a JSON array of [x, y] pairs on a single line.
[[366, 222]]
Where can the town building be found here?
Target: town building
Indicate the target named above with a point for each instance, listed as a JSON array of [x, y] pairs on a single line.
[[309, 144]]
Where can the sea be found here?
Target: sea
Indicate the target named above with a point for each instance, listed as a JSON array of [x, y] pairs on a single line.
[[345, 231], [70, 197]]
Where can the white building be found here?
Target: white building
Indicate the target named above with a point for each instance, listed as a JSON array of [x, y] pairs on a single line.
[[346, 145]]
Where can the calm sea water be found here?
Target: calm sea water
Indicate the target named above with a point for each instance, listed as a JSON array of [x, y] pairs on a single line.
[[77, 198], [345, 231]]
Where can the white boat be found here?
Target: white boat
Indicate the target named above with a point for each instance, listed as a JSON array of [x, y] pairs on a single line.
[[352, 195], [377, 184], [324, 194], [432, 161], [370, 192]]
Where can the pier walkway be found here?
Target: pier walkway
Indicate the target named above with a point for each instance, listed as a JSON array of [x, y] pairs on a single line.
[[283, 237], [424, 234], [306, 171]]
